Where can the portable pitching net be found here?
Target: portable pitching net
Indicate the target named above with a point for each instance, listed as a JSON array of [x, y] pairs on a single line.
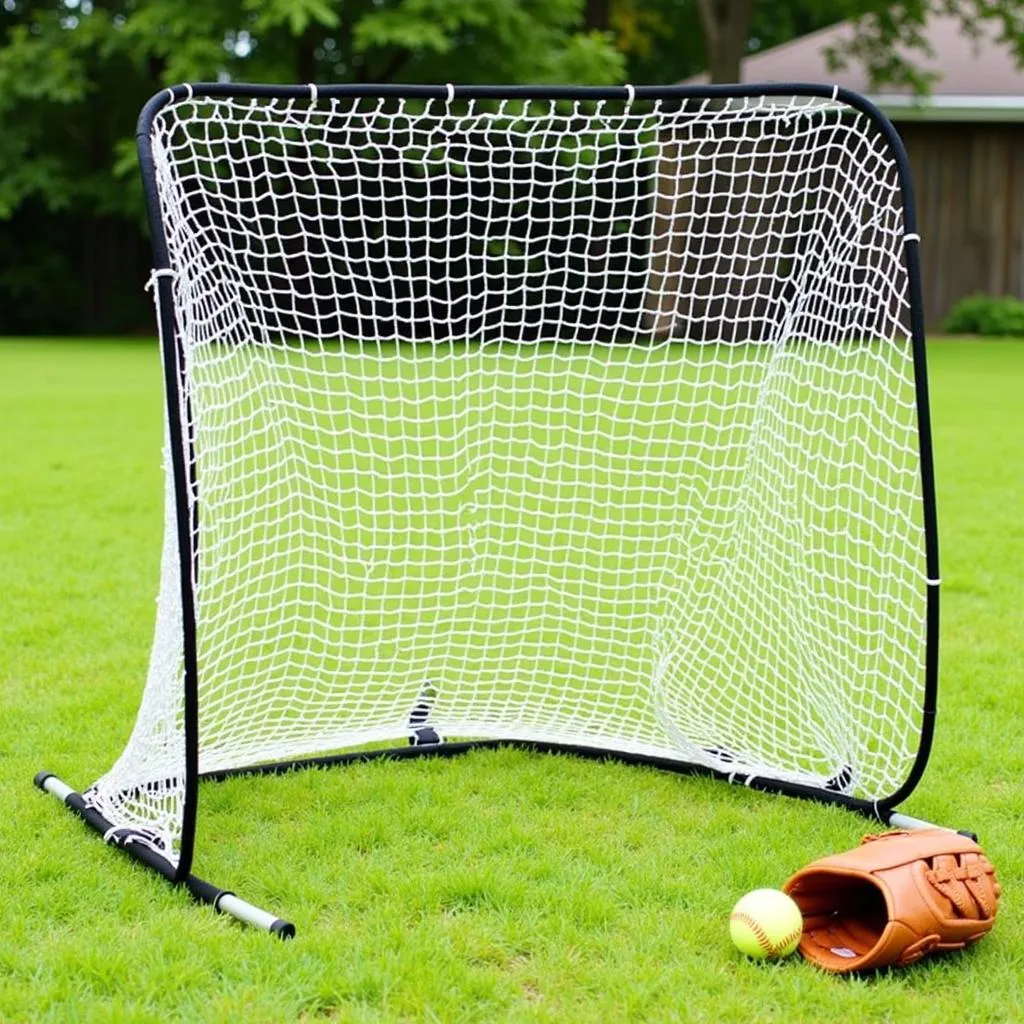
[[589, 419]]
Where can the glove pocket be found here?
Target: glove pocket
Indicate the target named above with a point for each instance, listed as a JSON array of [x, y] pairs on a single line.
[[847, 921]]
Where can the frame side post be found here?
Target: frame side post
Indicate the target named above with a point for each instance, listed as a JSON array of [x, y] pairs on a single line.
[[182, 453]]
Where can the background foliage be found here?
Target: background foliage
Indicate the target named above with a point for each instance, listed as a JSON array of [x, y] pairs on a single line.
[[987, 315], [74, 74]]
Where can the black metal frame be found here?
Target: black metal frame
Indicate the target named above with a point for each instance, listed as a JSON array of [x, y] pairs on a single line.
[[186, 495]]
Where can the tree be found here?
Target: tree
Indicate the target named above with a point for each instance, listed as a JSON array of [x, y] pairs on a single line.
[[726, 25], [88, 65], [74, 74]]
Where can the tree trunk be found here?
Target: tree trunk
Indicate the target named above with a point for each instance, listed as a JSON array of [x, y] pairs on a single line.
[[726, 24], [598, 13], [305, 63]]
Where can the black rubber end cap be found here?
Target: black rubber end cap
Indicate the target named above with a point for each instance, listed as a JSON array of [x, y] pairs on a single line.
[[970, 835], [41, 777], [283, 929]]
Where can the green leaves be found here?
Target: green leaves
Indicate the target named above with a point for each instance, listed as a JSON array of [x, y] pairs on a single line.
[[405, 30], [42, 61], [72, 79], [295, 15], [74, 75], [587, 57], [487, 41]]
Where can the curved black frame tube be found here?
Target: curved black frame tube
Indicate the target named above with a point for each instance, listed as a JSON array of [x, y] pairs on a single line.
[[871, 809], [185, 484]]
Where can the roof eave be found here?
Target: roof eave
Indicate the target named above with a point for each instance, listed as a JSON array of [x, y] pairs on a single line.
[[950, 108]]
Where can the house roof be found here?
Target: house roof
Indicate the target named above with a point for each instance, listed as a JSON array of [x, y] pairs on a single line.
[[979, 79]]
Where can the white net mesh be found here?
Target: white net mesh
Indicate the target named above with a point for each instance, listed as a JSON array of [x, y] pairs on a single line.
[[595, 423]]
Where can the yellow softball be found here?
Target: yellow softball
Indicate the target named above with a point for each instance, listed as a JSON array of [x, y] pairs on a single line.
[[766, 924]]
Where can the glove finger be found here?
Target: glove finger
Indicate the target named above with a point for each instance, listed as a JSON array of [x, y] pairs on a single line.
[[982, 885], [968, 884]]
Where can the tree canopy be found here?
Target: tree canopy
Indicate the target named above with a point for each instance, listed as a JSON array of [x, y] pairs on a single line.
[[74, 74]]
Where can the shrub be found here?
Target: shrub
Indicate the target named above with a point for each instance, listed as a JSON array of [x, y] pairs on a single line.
[[990, 315]]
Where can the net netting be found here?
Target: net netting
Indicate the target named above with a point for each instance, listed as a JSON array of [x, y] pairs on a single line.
[[577, 421]]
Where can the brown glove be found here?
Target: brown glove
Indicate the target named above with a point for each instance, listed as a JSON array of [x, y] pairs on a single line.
[[893, 899]]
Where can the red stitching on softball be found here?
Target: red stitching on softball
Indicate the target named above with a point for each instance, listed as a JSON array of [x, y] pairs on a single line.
[[763, 941]]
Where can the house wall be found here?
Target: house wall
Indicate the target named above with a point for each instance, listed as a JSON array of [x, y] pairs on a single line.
[[969, 180]]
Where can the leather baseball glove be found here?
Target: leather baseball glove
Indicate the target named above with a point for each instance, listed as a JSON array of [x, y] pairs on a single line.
[[893, 899]]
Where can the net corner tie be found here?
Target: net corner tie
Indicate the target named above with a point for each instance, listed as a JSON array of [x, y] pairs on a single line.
[[155, 275]]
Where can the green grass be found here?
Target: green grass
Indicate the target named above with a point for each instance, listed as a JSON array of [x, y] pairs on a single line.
[[501, 886]]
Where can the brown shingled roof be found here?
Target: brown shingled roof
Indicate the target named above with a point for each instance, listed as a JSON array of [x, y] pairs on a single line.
[[979, 79]]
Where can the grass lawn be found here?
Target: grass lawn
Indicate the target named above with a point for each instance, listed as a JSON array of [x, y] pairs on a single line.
[[497, 886]]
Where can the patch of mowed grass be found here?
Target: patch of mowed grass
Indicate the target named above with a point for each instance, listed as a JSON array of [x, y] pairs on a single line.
[[499, 886]]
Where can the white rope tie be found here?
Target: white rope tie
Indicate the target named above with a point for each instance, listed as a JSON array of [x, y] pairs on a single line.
[[630, 96], [188, 93], [155, 275], [312, 93], [451, 92], [912, 236]]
